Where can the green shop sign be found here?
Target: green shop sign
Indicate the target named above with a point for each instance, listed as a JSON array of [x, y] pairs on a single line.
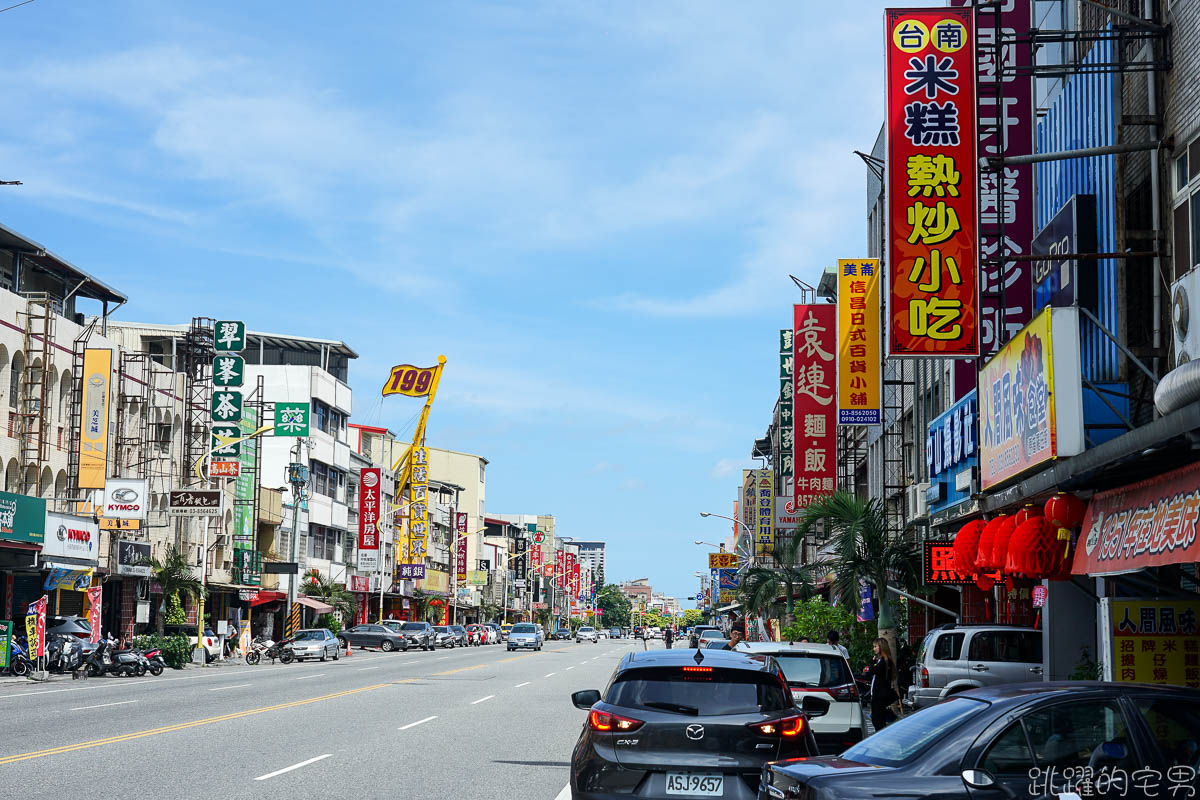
[[22, 518]]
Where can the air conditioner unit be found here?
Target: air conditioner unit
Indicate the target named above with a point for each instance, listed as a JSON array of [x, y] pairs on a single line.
[[1185, 317], [918, 507]]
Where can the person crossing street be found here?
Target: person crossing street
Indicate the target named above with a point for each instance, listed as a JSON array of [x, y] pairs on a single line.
[[668, 636]]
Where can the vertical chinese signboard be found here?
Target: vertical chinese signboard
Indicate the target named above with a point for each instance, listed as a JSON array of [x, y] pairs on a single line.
[[749, 504], [228, 371], [933, 276], [860, 397], [1156, 641], [764, 538], [1006, 128], [369, 479], [93, 422], [815, 451], [787, 421], [418, 517]]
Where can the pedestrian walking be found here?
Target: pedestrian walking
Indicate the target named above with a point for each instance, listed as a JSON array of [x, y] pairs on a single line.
[[882, 673], [668, 637], [231, 640]]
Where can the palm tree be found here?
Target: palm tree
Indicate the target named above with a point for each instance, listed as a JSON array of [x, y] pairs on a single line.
[[784, 576], [864, 551], [421, 606], [334, 594], [174, 575]]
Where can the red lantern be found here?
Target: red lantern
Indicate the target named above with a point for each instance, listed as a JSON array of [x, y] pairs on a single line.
[[1065, 510], [985, 583], [993, 543], [966, 546], [1027, 513], [1062, 564], [1034, 550]]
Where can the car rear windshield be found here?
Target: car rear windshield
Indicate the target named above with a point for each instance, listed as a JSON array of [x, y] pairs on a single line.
[[413, 626], [690, 691], [908, 737], [523, 629], [814, 669]]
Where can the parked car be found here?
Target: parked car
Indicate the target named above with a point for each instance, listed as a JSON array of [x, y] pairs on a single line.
[[821, 669], [668, 726], [698, 631], [476, 635], [462, 638], [524, 634], [417, 634], [561, 633], [315, 643], [447, 637], [614, 633], [210, 642], [1007, 740], [380, 636], [602, 633], [493, 633], [586, 633], [954, 658], [504, 629], [77, 627]]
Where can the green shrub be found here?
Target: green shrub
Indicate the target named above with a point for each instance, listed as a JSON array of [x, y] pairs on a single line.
[[331, 622], [177, 650], [175, 613]]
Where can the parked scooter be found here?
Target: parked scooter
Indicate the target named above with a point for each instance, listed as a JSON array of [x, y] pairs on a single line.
[[262, 646], [155, 663], [64, 654], [18, 657]]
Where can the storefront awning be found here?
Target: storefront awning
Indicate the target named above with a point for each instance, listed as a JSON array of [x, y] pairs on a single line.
[[267, 596], [1151, 523], [315, 605]]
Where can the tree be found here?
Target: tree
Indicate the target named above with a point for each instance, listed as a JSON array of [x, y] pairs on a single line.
[[783, 576], [693, 616], [422, 606], [865, 551], [615, 605], [334, 594], [174, 575]]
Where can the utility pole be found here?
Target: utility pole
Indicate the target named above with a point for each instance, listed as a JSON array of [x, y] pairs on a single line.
[[298, 480]]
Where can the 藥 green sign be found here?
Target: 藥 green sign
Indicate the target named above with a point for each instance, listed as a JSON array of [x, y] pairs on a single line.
[[22, 518], [291, 419]]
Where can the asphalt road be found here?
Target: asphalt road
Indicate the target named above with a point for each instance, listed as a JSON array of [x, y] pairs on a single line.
[[478, 722]]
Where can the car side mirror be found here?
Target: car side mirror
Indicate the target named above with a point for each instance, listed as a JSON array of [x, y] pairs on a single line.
[[586, 698], [814, 706], [978, 779]]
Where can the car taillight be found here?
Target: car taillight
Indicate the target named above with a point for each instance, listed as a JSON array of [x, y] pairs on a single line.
[[924, 678], [786, 726], [847, 692], [604, 721]]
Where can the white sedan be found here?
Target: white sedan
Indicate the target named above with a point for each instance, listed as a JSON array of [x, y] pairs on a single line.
[[586, 634]]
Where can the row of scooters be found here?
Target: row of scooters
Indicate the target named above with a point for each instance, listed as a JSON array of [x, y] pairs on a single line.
[[66, 654]]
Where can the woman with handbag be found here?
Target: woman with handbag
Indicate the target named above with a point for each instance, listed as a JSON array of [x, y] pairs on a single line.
[[882, 673]]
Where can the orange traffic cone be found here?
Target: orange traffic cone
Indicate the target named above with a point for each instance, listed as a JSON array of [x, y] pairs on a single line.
[[349, 649]]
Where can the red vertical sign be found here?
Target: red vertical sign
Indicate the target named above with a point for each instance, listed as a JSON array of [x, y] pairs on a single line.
[[933, 275], [368, 508], [814, 402], [460, 559]]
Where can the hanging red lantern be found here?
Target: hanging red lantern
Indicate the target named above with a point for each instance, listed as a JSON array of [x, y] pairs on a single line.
[[1028, 512], [1065, 510], [1034, 550], [966, 546], [993, 543], [1062, 564], [985, 583]]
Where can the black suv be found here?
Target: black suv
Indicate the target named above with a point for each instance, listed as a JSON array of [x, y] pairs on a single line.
[[417, 634], [686, 722]]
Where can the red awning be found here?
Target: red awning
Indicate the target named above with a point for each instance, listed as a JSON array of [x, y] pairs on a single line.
[[267, 596], [315, 605], [1151, 523], [10, 545]]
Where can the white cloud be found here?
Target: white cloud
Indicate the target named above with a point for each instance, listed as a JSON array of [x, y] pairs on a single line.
[[726, 468]]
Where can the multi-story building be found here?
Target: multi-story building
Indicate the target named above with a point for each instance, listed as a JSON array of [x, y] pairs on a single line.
[[591, 554]]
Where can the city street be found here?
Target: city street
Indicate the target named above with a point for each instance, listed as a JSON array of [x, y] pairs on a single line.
[[465, 723]]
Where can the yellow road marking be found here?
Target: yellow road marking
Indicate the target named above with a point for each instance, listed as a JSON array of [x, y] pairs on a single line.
[[460, 669], [515, 658], [126, 737]]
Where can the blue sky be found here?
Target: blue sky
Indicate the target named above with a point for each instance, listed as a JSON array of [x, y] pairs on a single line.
[[590, 208]]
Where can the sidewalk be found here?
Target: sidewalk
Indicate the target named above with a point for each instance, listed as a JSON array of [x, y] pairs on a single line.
[[55, 677]]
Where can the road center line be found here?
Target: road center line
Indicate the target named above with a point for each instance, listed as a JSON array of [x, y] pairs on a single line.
[[104, 705], [418, 722], [480, 700], [548, 674], [441, 658], [519, 685], [306, 677], [364, 669], [292, 767], [568, 668], [235, 686], [461, 669]]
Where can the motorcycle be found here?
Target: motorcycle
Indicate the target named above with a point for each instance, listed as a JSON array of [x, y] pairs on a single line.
[[155, 663], [18, 660], [263, 646], [64, 654], [106, 660]]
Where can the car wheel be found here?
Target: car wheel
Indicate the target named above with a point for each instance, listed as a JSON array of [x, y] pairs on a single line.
[[386, 646], [322, 656], [337, 654]]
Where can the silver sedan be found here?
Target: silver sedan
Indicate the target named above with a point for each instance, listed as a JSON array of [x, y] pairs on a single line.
[[315, 643]]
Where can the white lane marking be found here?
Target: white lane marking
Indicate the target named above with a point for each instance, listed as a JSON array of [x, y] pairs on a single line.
[[405, 663], [480, 700], [415, 724], [235, 686], [565, 794], [441, 658], [364, 669], [548, 674], [568, 668], [306, 677], [519, 685], [104, 705], [292, 767]]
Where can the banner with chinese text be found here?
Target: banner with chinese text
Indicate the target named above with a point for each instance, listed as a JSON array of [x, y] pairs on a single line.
[[764, 538], [787, 359], [368, 518], [1156, 641], [418, 517], [860, 395], [815, 365], [933, 277]]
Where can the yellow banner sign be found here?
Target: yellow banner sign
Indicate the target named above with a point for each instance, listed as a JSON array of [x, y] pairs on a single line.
[[93, 418], [418, 510], [722, 561], [409, 380], [764, 538], [860, 396], [1155, 641]]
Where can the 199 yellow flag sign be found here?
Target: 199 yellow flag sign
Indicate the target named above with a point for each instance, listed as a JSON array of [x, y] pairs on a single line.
[[412, 381]]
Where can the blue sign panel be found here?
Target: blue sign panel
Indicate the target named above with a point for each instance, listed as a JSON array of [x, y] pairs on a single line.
[[951, 449]]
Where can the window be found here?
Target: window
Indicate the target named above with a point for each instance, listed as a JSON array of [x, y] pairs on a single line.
[[906, 738], [1067, 735], [1175, 725], [1186, 179], [814, 670], [1010, 753], [481, 471], [718, 692], [948, 647], [1181, 172], [162, 435], [1014, 647]]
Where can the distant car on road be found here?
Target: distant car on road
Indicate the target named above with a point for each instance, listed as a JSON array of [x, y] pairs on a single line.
[[504, 629], [315, 643], [380, 636], [698, 631], [668, 726], [493, 633], [586, 633], [524, 634], [476, 635], [446, 637], [709, 635], [461, 637], [561, 633], [1007, 740], [417, 634]]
